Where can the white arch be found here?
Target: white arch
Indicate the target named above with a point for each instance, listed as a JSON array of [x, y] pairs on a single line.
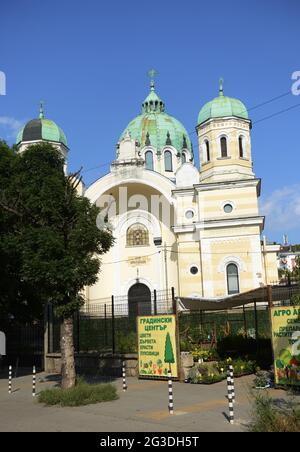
[[124, 221], [139, 176], [223, 135], [133, 281]]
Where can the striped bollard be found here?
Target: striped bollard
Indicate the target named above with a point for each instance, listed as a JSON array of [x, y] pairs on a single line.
[[9, 379], [230, 403], [124, 377], [170, 385], [33, 381], [232, 383]]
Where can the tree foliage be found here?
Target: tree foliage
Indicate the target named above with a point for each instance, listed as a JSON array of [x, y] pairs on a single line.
[[50, 243]]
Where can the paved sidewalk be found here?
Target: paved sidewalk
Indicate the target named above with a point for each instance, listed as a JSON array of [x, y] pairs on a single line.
[[143, 408]]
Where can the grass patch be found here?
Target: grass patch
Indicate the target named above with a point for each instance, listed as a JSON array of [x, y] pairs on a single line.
[[270, 417], [82, 394]]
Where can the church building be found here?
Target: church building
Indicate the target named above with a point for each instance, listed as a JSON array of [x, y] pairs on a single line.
[[199, 231]]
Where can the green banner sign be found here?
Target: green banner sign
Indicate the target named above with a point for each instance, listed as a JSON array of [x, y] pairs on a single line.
[[286, 344]]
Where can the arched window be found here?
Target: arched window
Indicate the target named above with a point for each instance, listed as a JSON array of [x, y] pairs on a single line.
[[224, 152], [137, 235], [241, 147], [233, 285], [207, 150], [149, 160], [183, 157], [168, 161]]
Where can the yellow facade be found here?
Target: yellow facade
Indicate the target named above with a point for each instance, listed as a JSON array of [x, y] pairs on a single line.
[[192, 239]]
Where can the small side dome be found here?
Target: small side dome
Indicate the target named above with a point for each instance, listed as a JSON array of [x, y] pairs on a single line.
[[221, 107], [41, 129]]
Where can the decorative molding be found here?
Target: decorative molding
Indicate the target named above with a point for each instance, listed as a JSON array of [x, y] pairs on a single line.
[[231, 260]]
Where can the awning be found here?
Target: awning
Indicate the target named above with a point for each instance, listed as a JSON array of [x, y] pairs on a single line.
[[259, 295]]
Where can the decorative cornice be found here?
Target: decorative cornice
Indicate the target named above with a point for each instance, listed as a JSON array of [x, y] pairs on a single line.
[[256, 182], [231, 222]]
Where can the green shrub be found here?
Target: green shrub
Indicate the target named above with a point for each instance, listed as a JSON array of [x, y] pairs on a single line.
[[186, 345], [126, 343], [82, 394], [267, 417]]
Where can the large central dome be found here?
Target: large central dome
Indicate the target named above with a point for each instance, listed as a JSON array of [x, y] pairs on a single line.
[[155, 128]]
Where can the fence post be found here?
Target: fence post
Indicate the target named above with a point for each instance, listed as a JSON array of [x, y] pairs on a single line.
[[270, 296], [50, 327], [173, 301], [245, 320], [155, 302], [113, 323], [256, 321], [78, 332], [105, 326]]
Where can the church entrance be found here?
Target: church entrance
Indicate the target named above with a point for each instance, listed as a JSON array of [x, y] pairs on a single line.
[[139, 300]]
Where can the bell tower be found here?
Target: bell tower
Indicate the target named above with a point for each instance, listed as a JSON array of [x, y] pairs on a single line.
[[224, 140]]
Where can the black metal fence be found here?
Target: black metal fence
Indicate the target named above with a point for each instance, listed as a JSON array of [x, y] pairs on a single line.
[[109, 326], [24, 343]]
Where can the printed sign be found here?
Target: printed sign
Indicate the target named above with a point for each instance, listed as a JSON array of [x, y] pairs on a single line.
[[157, 346], [286, 344]]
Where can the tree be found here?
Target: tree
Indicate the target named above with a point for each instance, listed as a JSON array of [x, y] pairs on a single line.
[[55, 235], [169, 354], [18, 300]]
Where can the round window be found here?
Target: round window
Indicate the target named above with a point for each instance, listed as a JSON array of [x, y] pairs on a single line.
[[228, 208], [194, 270], [189, 214]]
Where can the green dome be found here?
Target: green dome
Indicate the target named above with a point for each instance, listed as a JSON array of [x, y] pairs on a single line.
[[221, 107], [41, 129], [156, 128]]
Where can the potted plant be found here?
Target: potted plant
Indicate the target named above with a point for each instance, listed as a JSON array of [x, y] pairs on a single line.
[[262, 380]]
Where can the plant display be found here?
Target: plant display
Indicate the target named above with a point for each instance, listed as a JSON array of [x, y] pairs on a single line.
[[206, 355], [241, 367], [207, 379], [262, 380], [211, 372]]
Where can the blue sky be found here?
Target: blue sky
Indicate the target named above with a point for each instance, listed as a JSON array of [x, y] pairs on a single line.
[[88, 61]]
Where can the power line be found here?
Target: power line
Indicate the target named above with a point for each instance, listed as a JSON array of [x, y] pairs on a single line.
[[277, 113], [259, 120], [182, 252]]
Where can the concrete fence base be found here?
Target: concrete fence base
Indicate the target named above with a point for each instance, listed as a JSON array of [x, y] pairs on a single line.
[[103, 364]]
